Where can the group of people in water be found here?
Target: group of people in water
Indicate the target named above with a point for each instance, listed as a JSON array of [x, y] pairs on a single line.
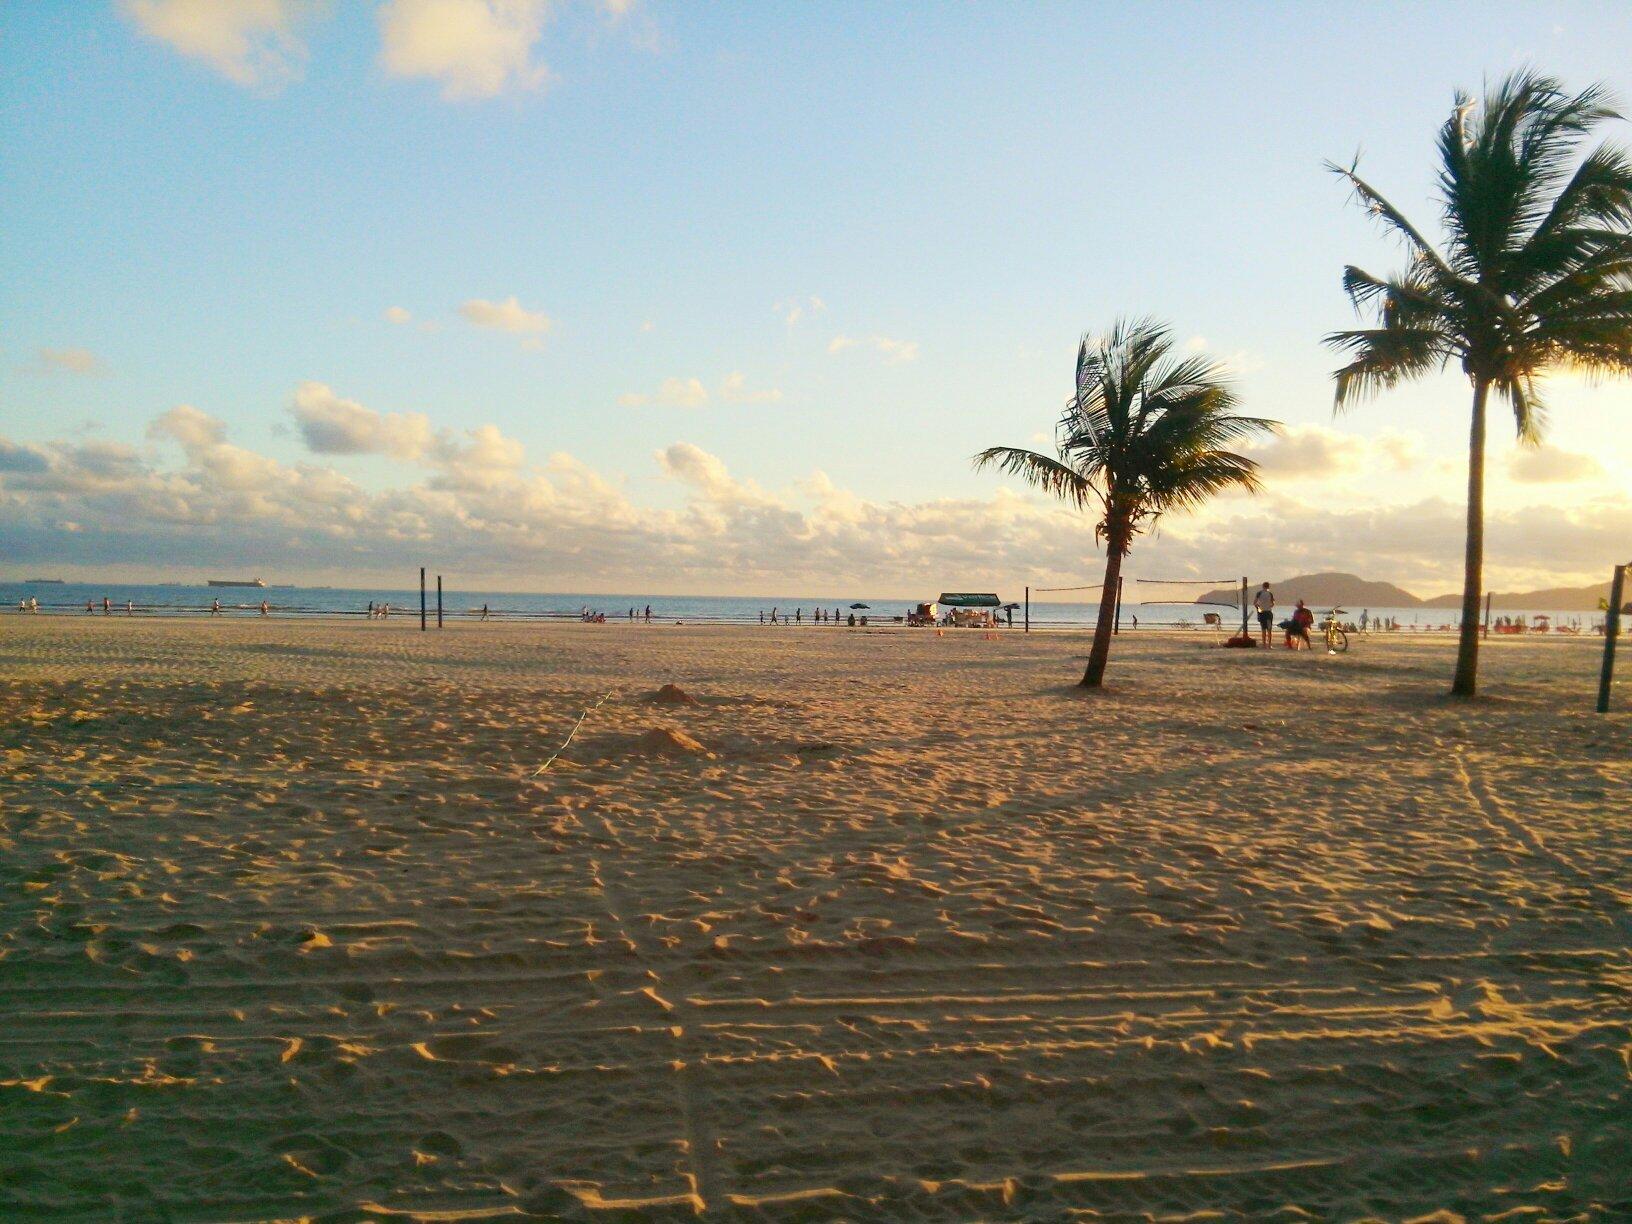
[[821, 616]]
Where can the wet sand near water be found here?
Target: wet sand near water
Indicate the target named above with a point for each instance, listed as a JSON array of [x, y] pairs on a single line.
[[877, 925]]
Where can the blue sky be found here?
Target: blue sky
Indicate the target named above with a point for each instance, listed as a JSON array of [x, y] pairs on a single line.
[[948, 194]]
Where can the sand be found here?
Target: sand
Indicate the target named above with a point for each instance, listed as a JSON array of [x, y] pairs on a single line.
[[876, 926]]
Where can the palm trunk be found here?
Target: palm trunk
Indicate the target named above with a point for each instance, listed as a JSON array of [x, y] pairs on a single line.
[[1473, 568], [1115, 543]]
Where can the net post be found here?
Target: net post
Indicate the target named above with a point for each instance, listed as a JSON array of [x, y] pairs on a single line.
[[1118, 626], [1244, 630], [1488, 595], [439, 601], [422, 599], [1028, 609], [1612, 629]]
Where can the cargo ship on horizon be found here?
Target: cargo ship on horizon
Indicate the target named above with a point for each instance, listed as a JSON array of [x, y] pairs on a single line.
[[237, 582]]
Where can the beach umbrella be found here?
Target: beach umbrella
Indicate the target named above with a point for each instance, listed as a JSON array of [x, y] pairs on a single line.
[[869, 607]]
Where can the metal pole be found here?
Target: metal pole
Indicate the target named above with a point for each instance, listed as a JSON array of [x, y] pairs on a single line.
[[439, 601], [1245, 632], [1488, 595], [1028, 609], [422, 599], [1612, 630], [1118, 626]]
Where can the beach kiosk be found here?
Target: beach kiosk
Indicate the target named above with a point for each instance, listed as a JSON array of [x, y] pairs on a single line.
[[968, 609]]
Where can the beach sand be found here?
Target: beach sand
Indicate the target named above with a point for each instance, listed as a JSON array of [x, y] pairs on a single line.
[[881, 925]]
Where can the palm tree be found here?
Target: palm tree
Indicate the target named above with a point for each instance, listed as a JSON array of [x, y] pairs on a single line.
[[1141, 436], [1535, 274]]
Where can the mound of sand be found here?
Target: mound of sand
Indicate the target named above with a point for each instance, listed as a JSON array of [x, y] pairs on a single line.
[[663, 742], [673, 694]]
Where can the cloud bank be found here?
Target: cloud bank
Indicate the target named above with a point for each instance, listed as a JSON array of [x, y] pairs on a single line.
[[472, 502]]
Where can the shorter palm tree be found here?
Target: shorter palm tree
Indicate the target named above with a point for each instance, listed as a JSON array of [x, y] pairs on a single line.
[[1144, 434]]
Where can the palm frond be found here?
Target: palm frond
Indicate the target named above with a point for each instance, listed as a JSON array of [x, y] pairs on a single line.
[[1383, 357], [1050, 475], [1378, 205]]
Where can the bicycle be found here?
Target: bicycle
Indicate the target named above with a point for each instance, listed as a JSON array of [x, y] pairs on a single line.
[[1337, 641]]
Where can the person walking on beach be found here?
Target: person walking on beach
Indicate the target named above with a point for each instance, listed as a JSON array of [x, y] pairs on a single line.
[[265, 608], [1264, 602], [107, 606], [484, 611], [215, 607]]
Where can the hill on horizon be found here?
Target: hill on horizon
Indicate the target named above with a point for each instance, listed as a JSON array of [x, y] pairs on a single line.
[[1352, 591], [1553, 599], [1327, 590]]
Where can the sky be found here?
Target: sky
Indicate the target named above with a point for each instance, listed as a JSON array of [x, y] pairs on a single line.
[[722, 298]]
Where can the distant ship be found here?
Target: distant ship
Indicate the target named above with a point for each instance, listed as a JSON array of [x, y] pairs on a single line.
[[44, 581], [251, 582]]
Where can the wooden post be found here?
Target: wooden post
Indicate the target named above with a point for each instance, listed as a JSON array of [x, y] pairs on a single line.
[[1612, 630], [1245, 604], [1028, 609], [422, 599], [1488, 595], [1117, 628], [439, 601]]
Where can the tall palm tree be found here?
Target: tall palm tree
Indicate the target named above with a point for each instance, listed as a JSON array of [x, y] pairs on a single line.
[[1143, 435], [1535, 274]]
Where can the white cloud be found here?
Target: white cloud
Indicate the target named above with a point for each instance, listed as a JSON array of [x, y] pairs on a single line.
[[674, 393], [475, 48], [398, 315], [1308, 452], [1235, 364], [892, 350], [691, 393], [735, 390], [791, 310], [71, 360], [192, 427], [1547, 464], [250, 42], [331, 425], [509, 316], [1402, 450]]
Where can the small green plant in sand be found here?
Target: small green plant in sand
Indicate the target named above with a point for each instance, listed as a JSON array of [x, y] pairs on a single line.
[[1144, 434]]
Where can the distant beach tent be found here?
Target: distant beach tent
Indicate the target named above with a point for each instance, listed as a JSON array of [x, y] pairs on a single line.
[[965, 599]]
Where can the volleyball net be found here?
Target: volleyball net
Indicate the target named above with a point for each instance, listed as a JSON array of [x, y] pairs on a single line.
[[1165, 602]]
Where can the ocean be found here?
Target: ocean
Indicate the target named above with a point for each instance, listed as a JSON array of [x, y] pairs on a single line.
[[292, 601]]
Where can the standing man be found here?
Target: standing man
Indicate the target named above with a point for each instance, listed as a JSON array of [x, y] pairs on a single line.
[[1264, 602]]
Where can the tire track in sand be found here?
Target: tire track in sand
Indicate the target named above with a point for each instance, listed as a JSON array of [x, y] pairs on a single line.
[[699, 1139], [1500, 820]]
